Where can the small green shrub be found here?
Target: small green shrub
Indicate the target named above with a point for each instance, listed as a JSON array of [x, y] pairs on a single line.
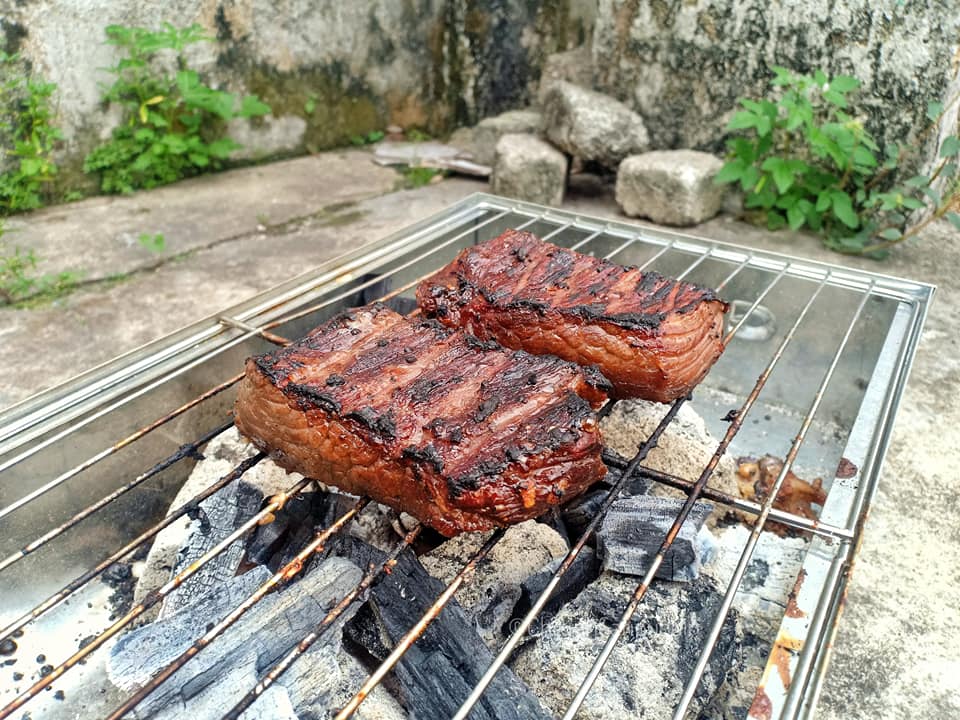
[[26, 124], [17, 283], [416, 176], [154, 242], [808, 161], [374, 136], [173, 124]]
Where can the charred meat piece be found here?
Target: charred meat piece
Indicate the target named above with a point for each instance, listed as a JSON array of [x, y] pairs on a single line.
[[797, 496], [652, 337], [460, 433]]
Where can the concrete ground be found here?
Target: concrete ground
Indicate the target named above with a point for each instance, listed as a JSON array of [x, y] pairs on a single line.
[[231, 235]]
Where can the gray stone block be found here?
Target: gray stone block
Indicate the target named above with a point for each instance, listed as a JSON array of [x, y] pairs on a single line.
[[487, 133], [591, 125], [527, 168], [671, 187]]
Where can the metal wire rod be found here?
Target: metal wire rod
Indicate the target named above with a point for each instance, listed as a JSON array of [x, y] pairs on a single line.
[[568, 561], [154, 597], [641, 590], [186, 450], [90, 462], [825, 530], [411, 636], [284, 574], [86, 577], [700, 260], [300, 648], [734, 584]]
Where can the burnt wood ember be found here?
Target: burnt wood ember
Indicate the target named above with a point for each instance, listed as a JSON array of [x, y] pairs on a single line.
[[460, 433], [652, 337], [438, 672], [633, 529], [584, 570], [227, 668]]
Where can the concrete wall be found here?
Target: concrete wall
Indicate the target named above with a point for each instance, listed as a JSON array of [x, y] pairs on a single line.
[[682, 64], [440, 63], [366, 63]]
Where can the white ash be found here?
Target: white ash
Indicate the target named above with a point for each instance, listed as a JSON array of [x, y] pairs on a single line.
[[493, 590], [761, 602], [684, 449], [645, 674]]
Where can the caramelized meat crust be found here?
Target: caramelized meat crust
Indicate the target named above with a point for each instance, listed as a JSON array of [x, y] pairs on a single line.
[[458, 432], [652, 337]]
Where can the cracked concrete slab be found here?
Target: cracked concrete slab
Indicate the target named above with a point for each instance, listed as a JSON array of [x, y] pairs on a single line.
[[98, 237], [895, 655]]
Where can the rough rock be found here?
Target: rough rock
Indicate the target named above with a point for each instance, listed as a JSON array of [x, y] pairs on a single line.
[[645, 673], [488, 132], [671, 187], [684, 449], [683, 65], [590, 125], [496, 585], [572, 66], [527, 168]]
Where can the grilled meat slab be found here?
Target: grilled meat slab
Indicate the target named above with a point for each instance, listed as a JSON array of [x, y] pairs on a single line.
[[652, 337], [460, 433]]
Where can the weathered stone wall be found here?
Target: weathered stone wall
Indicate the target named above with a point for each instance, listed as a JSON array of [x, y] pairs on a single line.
[[363, 63], [682, 64]]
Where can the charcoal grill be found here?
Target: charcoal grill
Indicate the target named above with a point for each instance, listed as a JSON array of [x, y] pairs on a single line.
[[817, 360]]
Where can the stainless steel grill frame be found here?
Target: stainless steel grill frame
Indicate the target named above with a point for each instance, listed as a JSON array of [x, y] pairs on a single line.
[[78, 441]]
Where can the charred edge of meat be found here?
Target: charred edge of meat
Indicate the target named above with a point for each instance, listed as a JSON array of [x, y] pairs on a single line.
[[595, 378], [486, 409], [334, 380], [383, 425], [477, 344], [422, 389], [309, 397], [564, 420], [427, 454], [439, 329]]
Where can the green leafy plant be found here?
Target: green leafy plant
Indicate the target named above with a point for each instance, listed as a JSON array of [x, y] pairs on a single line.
[[154, 242], [17, 282], [416, 135], [29, 138], [416, 176], [806, 160], [174, 123], [374, 136]]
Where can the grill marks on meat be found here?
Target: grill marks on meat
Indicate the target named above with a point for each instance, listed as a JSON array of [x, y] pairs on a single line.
[[653, 337], [426, 420]]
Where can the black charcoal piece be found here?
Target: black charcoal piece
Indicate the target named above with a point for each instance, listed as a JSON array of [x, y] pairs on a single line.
[[584, 570], [634, 528], [437, 674]]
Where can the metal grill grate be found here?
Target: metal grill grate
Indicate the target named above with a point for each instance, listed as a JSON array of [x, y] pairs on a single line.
[[812, 340]]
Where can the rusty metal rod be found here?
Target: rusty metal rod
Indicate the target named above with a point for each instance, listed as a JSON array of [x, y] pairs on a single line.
[[153, 598], [284, 574], [300, 648], [745, 556], [694, 495], [796, 521], [568, 561], [63, 477], [79, 582], [414, 633], [186, 450]]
